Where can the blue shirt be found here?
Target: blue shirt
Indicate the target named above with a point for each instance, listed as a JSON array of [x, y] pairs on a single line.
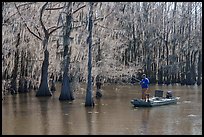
[[144, 83]]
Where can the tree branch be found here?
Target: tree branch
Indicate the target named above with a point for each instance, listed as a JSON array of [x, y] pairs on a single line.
[[51, 28], [33, 32], [78, 9], [37, 31], [26, 4], [55, 29], [108, 14], [101, 18], [41, 22], [54, 8], [26, 23]]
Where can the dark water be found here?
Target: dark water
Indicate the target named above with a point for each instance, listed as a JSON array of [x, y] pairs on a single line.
[[112, 114]]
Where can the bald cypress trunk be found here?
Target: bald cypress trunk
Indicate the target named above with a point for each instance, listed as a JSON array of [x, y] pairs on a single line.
[[43, 88], [89, 97], [199, 81], [22, 73], [15, 69], [66, 92]]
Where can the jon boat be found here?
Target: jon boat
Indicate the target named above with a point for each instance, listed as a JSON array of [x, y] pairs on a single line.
[[157, 100]]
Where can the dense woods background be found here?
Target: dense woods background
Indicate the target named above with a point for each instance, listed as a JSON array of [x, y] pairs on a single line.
[[44, 42]]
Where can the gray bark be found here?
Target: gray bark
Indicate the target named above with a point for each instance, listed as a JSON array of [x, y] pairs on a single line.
[[66, 92], [89, 97]]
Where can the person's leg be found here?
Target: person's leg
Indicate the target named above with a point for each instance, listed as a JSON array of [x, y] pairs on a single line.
[[147, 94], [143, 94]]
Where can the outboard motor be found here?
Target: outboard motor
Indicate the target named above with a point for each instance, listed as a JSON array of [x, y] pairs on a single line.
[[169, 94]]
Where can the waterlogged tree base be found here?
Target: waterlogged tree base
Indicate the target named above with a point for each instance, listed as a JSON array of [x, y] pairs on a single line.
[[63, 98], [66, 93], [89, 102], [43, 93], [92, 104]]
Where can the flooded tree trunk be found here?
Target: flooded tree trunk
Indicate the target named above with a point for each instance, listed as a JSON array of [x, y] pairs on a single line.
[[23, 83], [160, 69], [52, 88], [66, 92], [199, 68], [30, 66], [173, 76], [43, 88], [160, 75], [167, 81], [153, 78], [26, 72], [15, 69], [98, 57], [89, 97], [134, 55], [188, 73], [193, 70], [22, 73]]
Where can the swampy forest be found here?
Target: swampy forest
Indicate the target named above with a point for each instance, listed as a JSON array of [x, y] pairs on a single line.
[[80, 42]]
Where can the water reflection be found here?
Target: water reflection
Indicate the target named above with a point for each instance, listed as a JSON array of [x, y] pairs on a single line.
[[64, 118], [89, 117], [98, 117], [43, 103], [113, 114], [145, 120]]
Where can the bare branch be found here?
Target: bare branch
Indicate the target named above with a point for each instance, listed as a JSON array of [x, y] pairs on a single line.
[[51, 28], [54, 8], [26, 23], [37, 31], [108, 14], [108, 27], [76, 27], [55, 29], [78, 9], [98, 19], [41, 22], [33, 33], [6, 20], [26, 4], [101, 18]]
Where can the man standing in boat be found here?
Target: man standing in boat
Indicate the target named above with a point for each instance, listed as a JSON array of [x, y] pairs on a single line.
[[145, 85]]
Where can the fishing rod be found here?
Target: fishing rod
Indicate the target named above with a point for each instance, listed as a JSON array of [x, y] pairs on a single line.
[[135, 80]]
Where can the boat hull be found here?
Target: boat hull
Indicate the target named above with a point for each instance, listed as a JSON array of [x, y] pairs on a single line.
[[154, 101]]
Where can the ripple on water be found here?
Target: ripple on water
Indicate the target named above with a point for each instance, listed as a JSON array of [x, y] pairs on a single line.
[[186, 101], [192, 115]]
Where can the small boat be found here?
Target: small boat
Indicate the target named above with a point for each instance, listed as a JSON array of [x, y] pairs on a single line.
[[154, 101], [157, 100]]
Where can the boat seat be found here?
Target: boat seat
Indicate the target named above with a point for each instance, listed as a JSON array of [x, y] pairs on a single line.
[[158, 93]]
